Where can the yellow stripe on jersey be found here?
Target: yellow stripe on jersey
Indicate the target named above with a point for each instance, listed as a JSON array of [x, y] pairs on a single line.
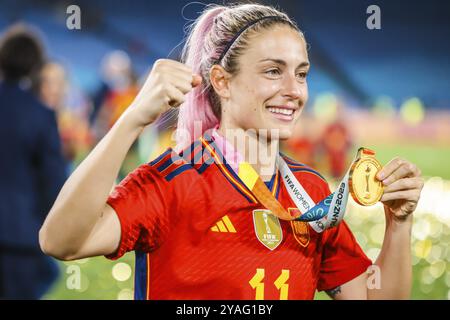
[[224, 225], [228, 223], [221, 226], [248, 174], [275, 184]]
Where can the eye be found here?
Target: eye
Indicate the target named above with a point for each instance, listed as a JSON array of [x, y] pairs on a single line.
[[302, 75], [273, 72]]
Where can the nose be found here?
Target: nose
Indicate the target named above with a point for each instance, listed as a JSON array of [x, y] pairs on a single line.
[[292, 88]]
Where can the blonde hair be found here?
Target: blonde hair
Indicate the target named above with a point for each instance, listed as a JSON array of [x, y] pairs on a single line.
[[220, 30]]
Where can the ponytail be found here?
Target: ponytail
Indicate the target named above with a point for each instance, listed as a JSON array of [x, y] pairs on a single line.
[[196, 114]]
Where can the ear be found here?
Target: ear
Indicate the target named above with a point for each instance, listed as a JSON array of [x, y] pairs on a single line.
[[219, 79]]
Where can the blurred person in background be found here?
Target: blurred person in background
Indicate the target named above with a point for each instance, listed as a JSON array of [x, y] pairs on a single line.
[[336, 144], [73, 128], [32, 168], [119, 87], [302, 145]]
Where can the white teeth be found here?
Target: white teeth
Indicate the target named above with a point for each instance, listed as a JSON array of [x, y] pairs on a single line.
[[287, 112]]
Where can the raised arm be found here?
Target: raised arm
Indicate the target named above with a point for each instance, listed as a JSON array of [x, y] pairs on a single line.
[[80, 223]]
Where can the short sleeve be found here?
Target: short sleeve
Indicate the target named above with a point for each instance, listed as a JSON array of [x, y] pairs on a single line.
[[145, 206], [342, 257]]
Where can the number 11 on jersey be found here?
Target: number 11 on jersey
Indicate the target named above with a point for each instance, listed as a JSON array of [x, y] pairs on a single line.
[[280, 283]]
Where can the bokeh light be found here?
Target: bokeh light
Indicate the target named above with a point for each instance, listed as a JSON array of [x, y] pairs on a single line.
[[384, 107], [412, 111], [125, 294], [121, 271], [325, 107]]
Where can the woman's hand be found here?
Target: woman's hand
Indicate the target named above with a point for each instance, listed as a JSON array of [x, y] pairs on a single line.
[[402, 186], [165, 87]]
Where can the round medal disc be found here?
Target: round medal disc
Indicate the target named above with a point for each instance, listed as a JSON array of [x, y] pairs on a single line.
[[364, 187]]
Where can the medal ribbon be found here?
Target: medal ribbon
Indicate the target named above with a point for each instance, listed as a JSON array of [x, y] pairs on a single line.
[[321, 216]]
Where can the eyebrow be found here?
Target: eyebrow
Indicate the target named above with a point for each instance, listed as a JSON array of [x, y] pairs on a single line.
[[283, 63]]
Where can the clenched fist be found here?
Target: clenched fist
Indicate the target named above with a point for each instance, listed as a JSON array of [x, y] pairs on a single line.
[[165, 87]]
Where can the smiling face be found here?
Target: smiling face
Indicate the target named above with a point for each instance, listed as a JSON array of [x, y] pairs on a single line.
[[270, 90]]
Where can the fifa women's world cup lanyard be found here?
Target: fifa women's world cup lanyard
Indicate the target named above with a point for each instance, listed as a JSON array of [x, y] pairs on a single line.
[[360, 180]]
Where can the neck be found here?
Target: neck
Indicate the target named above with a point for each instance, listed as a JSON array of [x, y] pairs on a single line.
[[257, 149]]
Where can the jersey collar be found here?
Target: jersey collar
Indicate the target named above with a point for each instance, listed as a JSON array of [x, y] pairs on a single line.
[[229, 162]]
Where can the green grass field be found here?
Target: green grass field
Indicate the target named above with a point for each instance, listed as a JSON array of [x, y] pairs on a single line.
[[433, 161], [431, 255]]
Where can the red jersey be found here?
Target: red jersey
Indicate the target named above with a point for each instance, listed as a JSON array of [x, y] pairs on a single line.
[[188, 217]]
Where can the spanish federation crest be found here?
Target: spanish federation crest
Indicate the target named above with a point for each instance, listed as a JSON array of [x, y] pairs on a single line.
[[267, 228], [300, 231]]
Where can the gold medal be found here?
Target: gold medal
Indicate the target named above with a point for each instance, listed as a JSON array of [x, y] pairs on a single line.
[[364, 186]]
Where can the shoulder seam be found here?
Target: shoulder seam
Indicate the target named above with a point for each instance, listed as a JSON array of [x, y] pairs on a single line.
[[169, 164]]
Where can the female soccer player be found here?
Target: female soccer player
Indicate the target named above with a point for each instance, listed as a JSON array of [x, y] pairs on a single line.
[[197, 230]]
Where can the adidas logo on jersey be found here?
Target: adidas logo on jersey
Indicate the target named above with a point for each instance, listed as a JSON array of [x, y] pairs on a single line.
[[223, 225]]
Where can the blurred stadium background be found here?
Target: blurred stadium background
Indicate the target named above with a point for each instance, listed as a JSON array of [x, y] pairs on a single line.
[[386, 89]]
